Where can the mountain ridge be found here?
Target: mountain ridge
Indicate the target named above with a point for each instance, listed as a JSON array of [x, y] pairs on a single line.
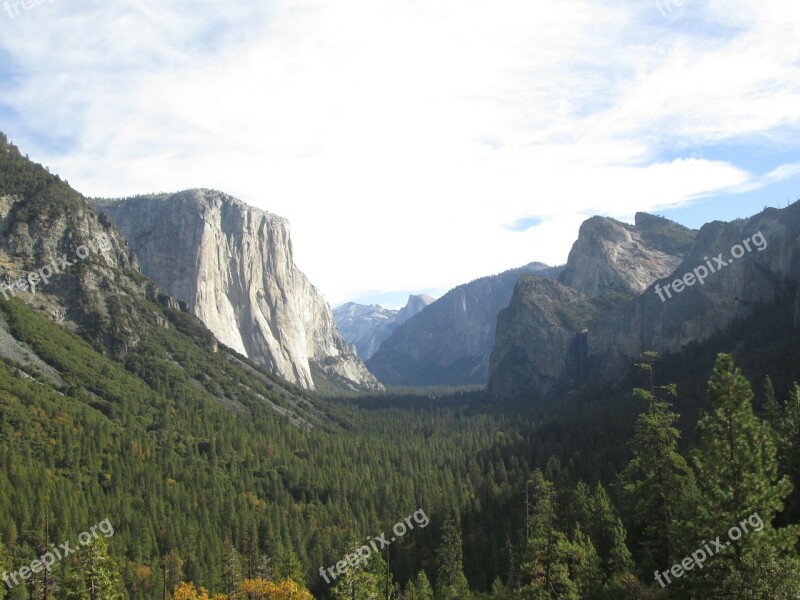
[[449, 342], [632, 323]]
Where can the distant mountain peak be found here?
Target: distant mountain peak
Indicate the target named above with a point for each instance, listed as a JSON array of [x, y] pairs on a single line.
[[365, 327], [450, 341]]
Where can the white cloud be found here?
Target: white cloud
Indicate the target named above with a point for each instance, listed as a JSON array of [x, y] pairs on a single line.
[[403, 139]]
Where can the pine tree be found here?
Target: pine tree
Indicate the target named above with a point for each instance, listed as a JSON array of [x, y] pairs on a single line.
[[772, 410], [658, 481], [585, 566], [499, 590], [363, 581], [232, 571], [789, 453], [548, 554], [608, 534], [419, 588], [94, 576], [4, 566], [289, 566], [451, 583], [764, 573], [738, 472]]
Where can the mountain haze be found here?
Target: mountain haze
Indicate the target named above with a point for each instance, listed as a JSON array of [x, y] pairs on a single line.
[[366, 327], [450, 341]]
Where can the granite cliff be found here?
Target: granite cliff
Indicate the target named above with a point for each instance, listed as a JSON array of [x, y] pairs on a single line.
[[545, 336], [661, 288], [767, 273], [233, 265], [615, 258]]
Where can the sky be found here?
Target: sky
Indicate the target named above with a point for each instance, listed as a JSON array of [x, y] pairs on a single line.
[[415, 145]]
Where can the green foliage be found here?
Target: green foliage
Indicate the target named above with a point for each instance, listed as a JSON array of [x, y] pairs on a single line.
[[736, 460], [419, 588], [548, 554], [738, 472], [658, 481], [764, 573], [364, 581], [608, 534], [772, 410], [788, 435], [451, 584], [212, 469], [47, 196], [93, 575]]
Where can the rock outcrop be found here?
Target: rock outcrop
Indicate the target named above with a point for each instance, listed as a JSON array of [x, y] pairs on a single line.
[[233, 265], [667, 308], [540, 341], [450, 341], [611, 257], [761, 275]]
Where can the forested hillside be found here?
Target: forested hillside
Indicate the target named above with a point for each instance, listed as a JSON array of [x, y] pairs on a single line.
[[207, 475]]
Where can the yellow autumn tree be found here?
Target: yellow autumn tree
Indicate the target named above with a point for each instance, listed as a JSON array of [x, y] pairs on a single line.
[[187, 591], [261, 589]]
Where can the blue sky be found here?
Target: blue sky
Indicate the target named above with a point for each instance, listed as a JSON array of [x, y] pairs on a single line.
[[420, 144]]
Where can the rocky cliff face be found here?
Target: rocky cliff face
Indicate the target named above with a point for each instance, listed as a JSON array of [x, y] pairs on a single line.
[[611, 257], [659, 318], [77, 258], [540, 341], [366, 327], [450, 341], [415, 305], [696, 312], [233, 265], [97, 331]]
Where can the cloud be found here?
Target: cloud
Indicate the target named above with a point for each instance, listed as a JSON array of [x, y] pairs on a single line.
[[404, 140]]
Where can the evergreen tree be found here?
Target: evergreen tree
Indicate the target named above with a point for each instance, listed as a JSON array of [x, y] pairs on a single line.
[[94, 575], [451, 583], [585, 566], [608, 534], [789, 453], [289, 566], [658, 481], [772, 409], [548, 554], [363, 581], [499, 590], [418, 588], [232, 572], [4, 567], [764, 573], [737, 471]]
